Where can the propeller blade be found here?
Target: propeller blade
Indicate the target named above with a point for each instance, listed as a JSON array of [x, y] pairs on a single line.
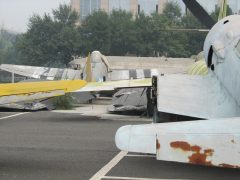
[[198, 11]]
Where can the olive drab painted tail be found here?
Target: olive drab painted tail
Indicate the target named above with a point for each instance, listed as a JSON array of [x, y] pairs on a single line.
[[89, 69], [223, 10]]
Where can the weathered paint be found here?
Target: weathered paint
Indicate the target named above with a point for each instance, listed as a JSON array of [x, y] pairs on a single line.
[[197, 157], [205, 142], [158, 144], [198, 68], [29, 97]]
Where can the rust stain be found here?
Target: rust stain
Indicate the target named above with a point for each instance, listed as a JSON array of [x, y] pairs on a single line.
[[185, 146], [181, 144], [208, 152], [158, 144], [197, 157], [228, 165], [196, 148]]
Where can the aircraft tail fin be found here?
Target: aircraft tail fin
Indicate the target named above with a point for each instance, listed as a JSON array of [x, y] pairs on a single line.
[[223, 10], [88, 69]]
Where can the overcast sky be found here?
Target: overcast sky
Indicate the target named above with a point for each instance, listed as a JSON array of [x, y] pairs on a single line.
[[14, 14]]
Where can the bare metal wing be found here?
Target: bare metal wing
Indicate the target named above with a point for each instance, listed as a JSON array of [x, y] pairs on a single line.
[[112, 85], [44, 73], [195, 96]]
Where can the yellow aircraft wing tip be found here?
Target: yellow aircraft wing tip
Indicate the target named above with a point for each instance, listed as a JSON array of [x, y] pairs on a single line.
[[42, 86]]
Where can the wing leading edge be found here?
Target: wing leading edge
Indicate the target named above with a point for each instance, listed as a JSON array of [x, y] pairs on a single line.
[[27, 91]]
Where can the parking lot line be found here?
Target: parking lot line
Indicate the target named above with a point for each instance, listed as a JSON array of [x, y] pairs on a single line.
[[6, 117], [128, 178], [104, 170]]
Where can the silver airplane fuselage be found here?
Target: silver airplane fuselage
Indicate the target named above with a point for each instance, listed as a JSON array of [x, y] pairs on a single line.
[[222, 54], [212, 142]]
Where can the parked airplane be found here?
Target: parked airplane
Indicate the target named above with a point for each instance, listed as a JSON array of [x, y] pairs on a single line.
[[98, 68], [212, 142]]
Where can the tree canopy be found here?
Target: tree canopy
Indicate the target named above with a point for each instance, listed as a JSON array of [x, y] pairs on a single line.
[[53, 39], [50, 40], [7, 46]]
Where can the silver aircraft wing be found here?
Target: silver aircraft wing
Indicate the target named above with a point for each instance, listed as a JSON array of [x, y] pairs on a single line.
[[195, 96], [112, 85], [44, 73]]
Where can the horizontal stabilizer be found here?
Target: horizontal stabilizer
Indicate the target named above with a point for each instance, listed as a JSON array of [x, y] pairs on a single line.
[[205, 142], [195, 96]]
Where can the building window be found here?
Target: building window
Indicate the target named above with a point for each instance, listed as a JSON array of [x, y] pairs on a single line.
[[119, 4], [88, 7]]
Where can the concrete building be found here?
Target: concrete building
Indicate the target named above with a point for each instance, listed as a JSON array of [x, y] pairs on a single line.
[[86, 7]]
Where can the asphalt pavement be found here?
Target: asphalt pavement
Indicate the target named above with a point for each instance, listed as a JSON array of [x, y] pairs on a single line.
[[55, 145]]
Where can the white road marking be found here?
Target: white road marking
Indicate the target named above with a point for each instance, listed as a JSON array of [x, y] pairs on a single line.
[[129, 178], [140, 155], [6, 117], [102, 172]]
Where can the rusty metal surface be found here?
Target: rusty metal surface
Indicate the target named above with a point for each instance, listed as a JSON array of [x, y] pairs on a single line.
[[210, 143], [205, 142]]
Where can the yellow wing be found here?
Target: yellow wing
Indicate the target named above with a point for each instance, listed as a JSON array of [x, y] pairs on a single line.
[[27, 91]]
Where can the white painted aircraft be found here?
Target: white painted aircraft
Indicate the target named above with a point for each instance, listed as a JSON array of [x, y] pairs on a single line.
[[212, 142]]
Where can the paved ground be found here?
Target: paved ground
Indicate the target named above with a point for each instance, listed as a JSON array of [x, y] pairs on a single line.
[[53, 145]]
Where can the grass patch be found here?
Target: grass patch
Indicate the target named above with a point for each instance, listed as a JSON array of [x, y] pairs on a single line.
[[63, 102]]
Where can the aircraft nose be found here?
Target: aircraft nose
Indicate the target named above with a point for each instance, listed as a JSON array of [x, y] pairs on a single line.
[[122, 138]]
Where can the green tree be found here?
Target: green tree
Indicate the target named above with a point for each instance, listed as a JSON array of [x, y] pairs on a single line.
[[174, 42], [65, 16], [215, 14], [145, 35], [123, 33], [8, 53], [95, 33], [195, 40], [50, 41]]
